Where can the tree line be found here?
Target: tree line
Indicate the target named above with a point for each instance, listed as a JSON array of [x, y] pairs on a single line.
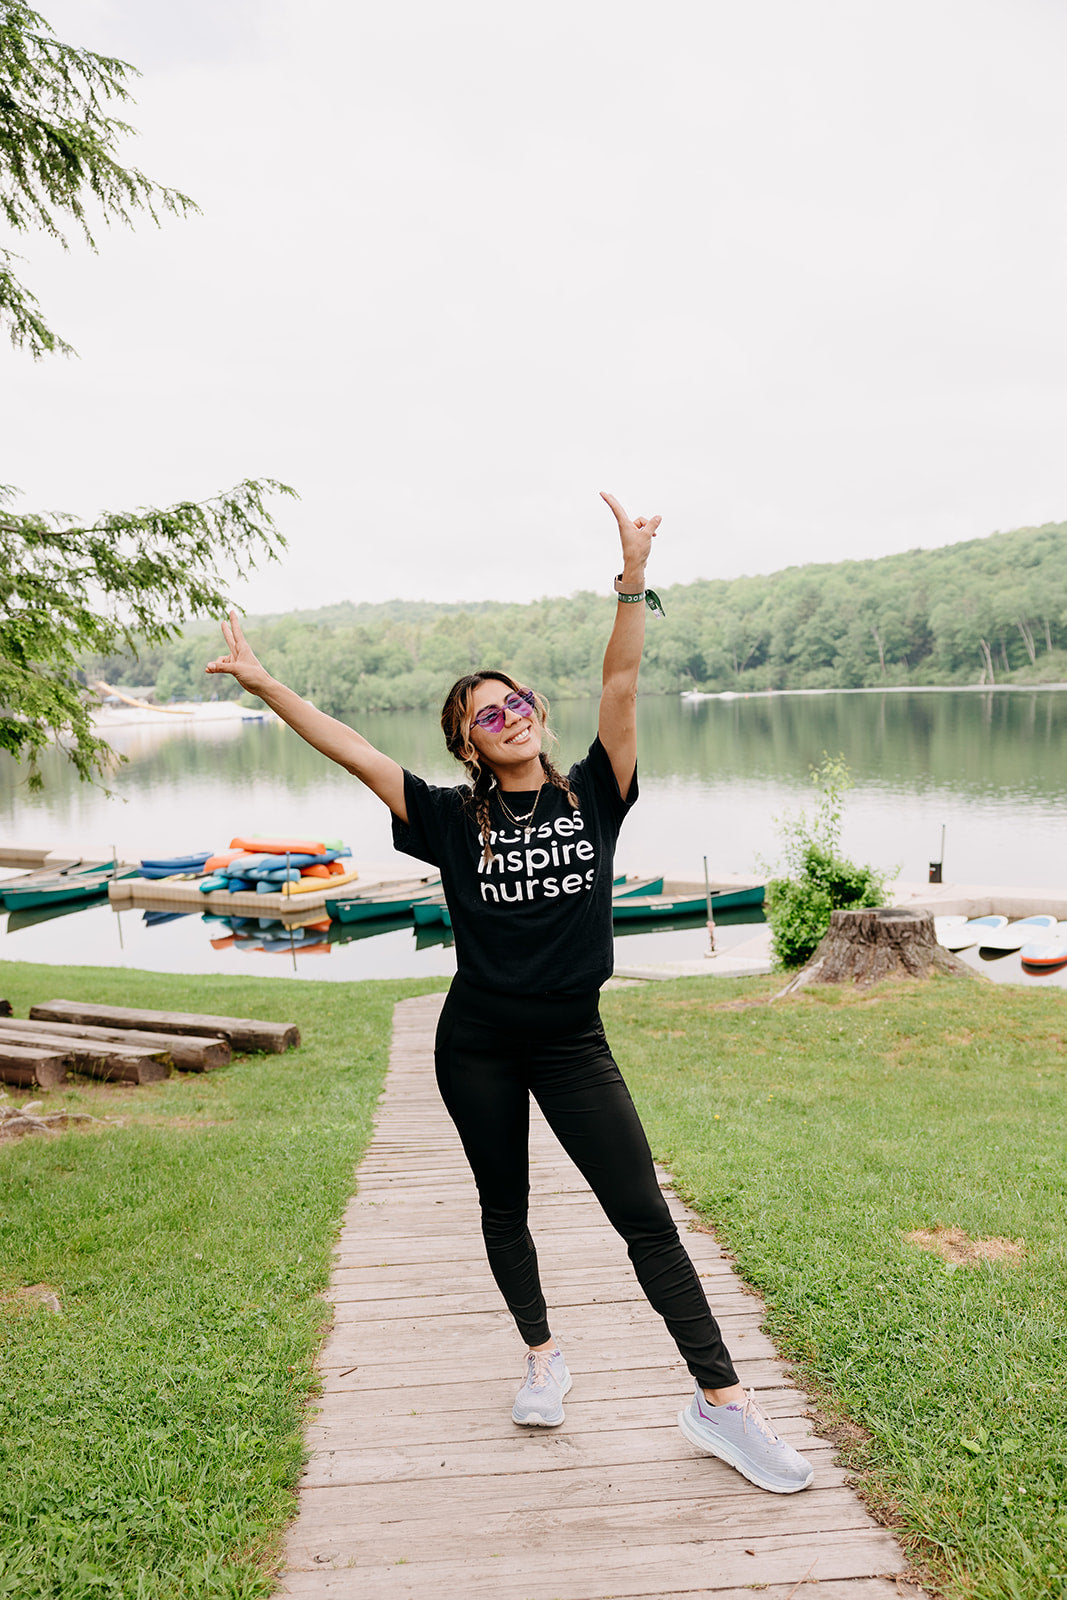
[[987, 611]]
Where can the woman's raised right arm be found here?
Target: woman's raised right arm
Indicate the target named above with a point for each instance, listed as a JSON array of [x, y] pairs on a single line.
[[381, 774]]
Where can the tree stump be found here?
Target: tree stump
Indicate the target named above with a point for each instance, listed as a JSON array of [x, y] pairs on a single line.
[[863, 947]]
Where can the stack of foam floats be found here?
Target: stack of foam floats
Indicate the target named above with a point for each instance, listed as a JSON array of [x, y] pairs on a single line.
[[278, 866]]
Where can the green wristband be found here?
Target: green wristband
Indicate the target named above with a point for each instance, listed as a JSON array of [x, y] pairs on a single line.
[[649, 596]]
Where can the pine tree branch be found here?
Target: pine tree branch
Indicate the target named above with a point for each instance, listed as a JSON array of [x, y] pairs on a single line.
[[57, 161], [66, 591]]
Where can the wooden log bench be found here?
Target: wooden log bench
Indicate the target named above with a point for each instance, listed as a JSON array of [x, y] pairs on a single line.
[[33, 1067], [242, 1033], [96, 1058], [186, 1052]]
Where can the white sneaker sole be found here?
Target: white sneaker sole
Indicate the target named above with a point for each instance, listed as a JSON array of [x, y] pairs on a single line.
[[533, 1419], [735, 1459]]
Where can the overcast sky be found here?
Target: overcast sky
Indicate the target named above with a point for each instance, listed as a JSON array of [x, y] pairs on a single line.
[[792, 275]]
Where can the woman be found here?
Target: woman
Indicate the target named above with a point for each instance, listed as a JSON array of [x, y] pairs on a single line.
[[526, 861]]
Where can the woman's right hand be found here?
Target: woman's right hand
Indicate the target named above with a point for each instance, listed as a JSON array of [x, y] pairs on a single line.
[[241, 663]]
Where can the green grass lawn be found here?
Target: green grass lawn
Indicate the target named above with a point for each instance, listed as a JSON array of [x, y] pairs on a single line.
[[815, 1134], [151, 1435]]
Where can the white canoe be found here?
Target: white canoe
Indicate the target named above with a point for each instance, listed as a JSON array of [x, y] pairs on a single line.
[[1028, 930], [968, 933]]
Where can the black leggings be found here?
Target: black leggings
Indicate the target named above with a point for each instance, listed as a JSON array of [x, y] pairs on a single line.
[[493, 1051]]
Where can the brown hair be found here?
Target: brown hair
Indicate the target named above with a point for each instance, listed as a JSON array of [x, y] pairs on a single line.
[[456, 714]]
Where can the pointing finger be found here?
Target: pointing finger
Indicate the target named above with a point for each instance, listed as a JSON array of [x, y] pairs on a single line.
[[235, 634], [620, 514]]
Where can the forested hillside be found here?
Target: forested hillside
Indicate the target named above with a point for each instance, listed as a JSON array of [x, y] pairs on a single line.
[[988, 611]]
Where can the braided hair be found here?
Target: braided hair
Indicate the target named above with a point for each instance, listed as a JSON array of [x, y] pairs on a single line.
[[456, 714]]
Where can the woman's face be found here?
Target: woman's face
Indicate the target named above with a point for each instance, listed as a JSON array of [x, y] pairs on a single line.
[[518, 741]]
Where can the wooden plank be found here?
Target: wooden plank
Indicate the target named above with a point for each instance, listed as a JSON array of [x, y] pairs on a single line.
[[577, 1572], [562, 1284], [353, 1306], [442, 1415], [33, 1067], [190, 1053], [497, 1365], [717, 1491], [243, 1033], [418, 1532], [327, 1584], [521, 1451], [98, 1059]]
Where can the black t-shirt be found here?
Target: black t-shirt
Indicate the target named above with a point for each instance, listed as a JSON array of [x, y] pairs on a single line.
[[536, 919]]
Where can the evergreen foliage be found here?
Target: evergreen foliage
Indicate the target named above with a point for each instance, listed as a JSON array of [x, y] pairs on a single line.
[[66, 589], [57, 160], [818, 879]]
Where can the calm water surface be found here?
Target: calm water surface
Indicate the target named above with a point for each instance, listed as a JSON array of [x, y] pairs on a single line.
[[715, 776]]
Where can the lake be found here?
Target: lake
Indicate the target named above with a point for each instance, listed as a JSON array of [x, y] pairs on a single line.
[[989, 766]]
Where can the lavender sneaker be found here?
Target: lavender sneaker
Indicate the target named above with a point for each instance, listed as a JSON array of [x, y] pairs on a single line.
[[539, 1403], [742, 1436]]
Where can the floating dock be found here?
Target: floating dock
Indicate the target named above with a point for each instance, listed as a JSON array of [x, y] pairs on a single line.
[[160, 894]]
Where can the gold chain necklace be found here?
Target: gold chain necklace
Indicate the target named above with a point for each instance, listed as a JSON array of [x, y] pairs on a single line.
[[527, 816]]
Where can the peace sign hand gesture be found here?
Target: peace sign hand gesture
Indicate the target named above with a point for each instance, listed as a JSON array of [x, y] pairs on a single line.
[[241, 663], [637, 534]]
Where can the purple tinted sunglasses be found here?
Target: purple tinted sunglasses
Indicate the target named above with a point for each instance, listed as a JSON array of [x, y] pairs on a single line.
[[492, 718]]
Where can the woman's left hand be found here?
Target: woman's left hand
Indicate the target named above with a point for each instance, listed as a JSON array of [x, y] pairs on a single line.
[[636, 533]]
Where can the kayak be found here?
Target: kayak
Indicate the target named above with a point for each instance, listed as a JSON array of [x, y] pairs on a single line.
[[82, 887], [176, 864], [622, 888], [371, 907], [307, 884], [279, 847], [630, 908], [431, 913], [48, 877]]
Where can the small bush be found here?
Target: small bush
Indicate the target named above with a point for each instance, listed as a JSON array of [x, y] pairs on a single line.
[[817, 878]]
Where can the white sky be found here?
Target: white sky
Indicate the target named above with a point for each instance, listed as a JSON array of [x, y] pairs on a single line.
[[791, 274]]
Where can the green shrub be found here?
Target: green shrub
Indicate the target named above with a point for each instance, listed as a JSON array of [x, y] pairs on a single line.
[[817, 878]]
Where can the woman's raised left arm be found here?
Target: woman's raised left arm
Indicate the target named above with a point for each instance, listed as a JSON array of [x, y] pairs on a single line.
[[622, 659]]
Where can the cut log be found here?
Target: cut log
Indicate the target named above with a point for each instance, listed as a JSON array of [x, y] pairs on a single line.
[[32, 1068], [243, 1033], [189, 1053], [97, 1058], [863, 947]]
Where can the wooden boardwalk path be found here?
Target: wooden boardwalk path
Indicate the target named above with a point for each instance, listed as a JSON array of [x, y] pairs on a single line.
[[421, 1487]]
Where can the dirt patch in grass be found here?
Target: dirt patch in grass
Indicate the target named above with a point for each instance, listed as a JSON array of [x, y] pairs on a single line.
[[952, 1244], [32, 1297]]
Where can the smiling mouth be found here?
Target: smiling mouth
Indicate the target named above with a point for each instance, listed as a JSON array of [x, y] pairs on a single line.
[[520, 737]]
